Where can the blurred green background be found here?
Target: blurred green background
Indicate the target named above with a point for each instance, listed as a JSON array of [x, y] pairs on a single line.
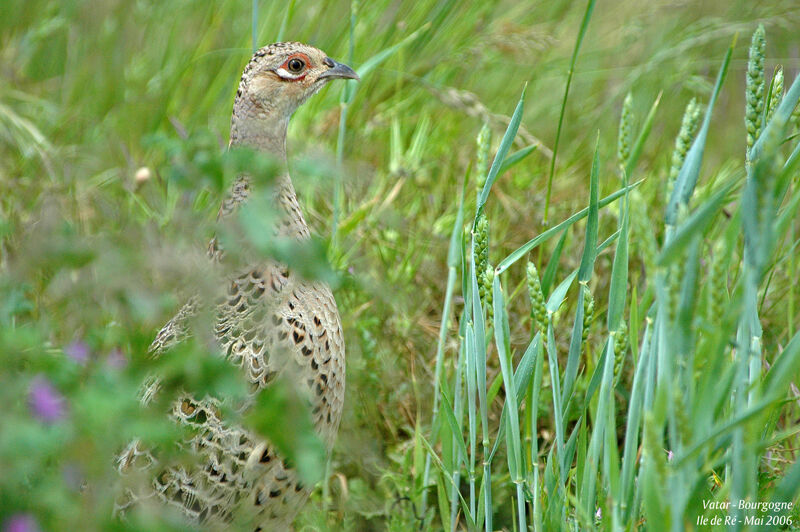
[[93, 259]]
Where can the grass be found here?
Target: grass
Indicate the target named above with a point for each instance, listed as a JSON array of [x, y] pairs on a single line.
[[579, 322]]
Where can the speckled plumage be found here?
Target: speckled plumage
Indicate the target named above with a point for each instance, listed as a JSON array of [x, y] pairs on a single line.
[[269, 321]]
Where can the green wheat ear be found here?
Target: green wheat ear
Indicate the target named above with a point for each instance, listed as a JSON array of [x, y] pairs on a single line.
[[481, 245], [675, 274], [538, 307], [483, 141], [755, 88], [775, 92], [795, 118], [620, 349], [588, 313], [625, 127], [681, 413], [718, 292], [689, 123], [483, 270], [652, 448], [487, 294], [762, 183]]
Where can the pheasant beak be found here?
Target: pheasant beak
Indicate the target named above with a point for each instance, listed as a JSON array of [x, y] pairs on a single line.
[[338, 71]]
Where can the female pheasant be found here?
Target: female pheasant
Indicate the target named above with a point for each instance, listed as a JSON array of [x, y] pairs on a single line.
[[270, 320]]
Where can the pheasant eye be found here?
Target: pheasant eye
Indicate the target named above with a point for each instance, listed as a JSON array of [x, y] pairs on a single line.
[[295, 65]]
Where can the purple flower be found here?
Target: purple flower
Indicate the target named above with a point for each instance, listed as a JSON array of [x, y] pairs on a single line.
[[116, 359], [21, 523], [45, 402], [78, 351]]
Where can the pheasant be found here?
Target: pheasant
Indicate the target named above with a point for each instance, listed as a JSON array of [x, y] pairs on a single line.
[[270, 321]]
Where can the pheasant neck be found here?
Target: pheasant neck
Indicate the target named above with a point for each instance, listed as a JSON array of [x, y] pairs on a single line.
[[262, 132], [267, 134]]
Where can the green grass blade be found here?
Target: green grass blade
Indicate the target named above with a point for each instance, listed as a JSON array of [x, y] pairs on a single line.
[[781, 116], [522, 378], [453, 261], [787, 216], [373, 62], [521, 251], [502, 151], [722, 429], [515, 158], [634, 419], [513, 437], [449, 414], [558, 295], [784, 179], [480, 367], [587, 15], [573, 355], [597, 376], [558, 410], [784, 370], [589, 481], [287, 15], [684, 326], [480, 347], [471, 377], [590, 242], [694, 226], [552, 264], [687, 178], [788, 488], [619, 276], [638, 146], [440, 465]]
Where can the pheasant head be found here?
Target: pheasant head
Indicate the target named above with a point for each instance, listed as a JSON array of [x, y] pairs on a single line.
[[277, 80]]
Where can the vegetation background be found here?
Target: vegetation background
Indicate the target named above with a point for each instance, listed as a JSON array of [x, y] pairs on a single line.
[[93, 249]]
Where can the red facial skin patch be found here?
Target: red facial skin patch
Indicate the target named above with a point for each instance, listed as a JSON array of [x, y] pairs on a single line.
[[301, 56]]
